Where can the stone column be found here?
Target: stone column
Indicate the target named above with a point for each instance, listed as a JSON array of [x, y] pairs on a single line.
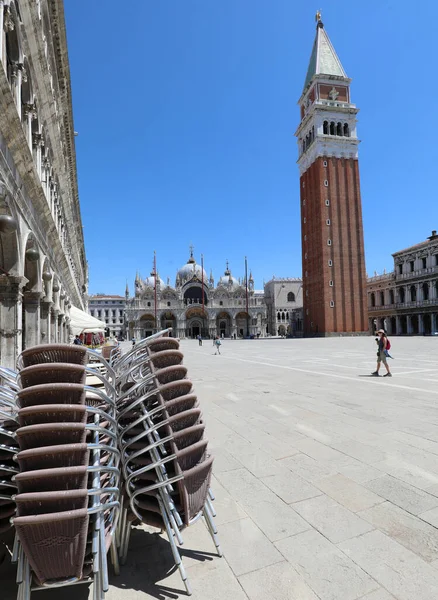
[[434, 322], [398, 325], [31, 307], [54, 325], [10, 318], [420, 324], [61, 328], [2, 8], [45, 325], [29, 114], [408, 325]]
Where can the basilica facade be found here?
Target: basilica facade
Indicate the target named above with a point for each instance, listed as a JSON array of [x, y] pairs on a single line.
[[196, 305]]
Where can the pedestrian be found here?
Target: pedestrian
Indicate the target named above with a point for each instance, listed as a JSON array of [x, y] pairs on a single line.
[[200, 339], [133, 342], [77, 341], [382, 342], [218, 345]]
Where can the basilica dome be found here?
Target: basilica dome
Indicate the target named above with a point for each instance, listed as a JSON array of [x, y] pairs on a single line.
[[150, 281], [190, 269], [227, 279]]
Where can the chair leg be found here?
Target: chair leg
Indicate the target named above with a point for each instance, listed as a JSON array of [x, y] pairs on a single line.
[[115, 557], [125, 543], [210, 493], [176, 554], [212, 529], [210, 506]]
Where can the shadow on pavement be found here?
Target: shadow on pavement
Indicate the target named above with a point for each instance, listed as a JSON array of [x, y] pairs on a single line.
[[149, 561]]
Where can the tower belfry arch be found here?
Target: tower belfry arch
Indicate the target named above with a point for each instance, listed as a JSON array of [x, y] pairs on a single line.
[[334, 276]]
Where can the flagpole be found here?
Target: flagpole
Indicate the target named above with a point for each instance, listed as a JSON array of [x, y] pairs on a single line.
[[155, 290], [202, 272], [246, 291]]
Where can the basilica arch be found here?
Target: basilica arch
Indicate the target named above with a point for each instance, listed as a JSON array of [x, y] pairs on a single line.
[[168, 319], [196, 322], [224, 324]]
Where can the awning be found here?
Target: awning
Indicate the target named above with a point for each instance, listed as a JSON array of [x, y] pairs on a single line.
[[82, 322]]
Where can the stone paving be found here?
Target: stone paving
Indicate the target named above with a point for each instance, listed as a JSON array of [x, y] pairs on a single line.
[[326, 479]]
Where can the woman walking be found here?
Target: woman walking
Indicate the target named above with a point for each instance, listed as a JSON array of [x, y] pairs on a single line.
[[382, 342]]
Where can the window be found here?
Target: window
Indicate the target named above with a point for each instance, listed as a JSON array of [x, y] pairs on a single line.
[[114, 320], [305, 238], [327, 222], [401, 294], [373, 299], [391, 296], [332, 304], [221, 303], [121, 320], [327, 202], [382, 299], [424, 262], [304, 220], [325, 127], [400, 269], [346, 130], [425, 291], [324, 164], [413, 292], [149, 303], [436, 260], [168, 304], [412, 265], [331, 283], [330, 263], [291, 297], [325, 182], [305, 256], [329, 242], [304, 202]]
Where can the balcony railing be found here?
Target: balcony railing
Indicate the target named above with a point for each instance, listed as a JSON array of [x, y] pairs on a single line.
[[417, 273]]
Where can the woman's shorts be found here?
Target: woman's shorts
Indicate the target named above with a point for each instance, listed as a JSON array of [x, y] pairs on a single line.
[[382, 357]]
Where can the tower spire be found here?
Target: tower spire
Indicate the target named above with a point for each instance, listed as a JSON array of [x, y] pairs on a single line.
[[323, 60]]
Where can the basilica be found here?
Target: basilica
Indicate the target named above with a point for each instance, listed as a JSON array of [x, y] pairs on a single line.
[[196, 305]]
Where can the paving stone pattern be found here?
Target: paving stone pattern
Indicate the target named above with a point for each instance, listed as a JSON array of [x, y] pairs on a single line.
[[326, 479]]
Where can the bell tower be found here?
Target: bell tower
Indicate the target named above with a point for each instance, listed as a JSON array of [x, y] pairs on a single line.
[[334, 276]]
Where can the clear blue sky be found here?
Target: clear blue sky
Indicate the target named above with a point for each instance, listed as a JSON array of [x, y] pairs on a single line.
[[186, 112]]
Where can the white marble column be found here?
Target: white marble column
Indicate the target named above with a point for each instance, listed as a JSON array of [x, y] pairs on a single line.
[[45, 325], [408, 325], [434, 322], [31, 307], [11, 338], [397, 325], [420, 324]]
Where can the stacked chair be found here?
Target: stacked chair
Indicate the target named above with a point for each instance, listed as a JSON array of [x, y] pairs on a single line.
[[68, 483], [166, 465], [73, 458]]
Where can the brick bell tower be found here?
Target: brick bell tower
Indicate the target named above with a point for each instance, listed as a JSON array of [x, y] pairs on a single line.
[[334, 277]]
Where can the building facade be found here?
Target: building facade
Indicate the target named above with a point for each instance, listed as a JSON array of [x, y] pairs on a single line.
[[284, 306], [111, 310], [197, 305], [43, 270], [405, 301], [334, 277], [194, 305]]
